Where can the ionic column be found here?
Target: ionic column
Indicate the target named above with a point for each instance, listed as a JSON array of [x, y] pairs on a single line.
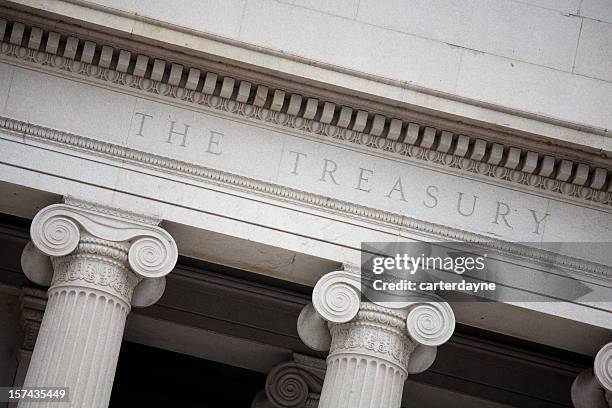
[[593, 387], [372, 348], [293, 384], [98, 264]]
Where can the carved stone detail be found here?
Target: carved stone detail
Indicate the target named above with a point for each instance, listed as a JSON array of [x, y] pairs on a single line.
[[293, 384], [593, 387], [33, 302], [56, 231], [104, 209], [377, 345], [97, 264], [99, 261], [603, 367], [375, 331], [389, 135], [431, 323], [569, 263], [336, 297]]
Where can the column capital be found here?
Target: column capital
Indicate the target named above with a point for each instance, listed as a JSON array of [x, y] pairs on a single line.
[[373, 346], [296, 383], [121, 239], [425, 319], [593, 387], [603, 367]]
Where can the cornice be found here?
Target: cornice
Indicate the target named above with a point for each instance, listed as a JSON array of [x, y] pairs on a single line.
[[297, 74], [546, 168]]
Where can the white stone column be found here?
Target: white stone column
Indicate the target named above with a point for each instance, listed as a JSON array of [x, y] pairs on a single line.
[[372, 348], [98, 264], [593, 387]]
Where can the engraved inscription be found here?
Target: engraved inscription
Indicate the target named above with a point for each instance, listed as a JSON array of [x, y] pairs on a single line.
[[178, 133], [400, 187]]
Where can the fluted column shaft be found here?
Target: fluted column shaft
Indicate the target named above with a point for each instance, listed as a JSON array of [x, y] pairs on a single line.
[[368, 360], [99, 265], [80, 335]]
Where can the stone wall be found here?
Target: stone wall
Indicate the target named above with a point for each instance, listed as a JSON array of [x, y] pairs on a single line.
[[541, 56]]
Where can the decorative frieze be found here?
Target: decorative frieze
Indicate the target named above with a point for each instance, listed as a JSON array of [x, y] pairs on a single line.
[[377, 330], [403, 138], [96, 263]]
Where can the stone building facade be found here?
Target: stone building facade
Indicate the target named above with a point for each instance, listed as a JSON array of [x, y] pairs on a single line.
[[187, 187]]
